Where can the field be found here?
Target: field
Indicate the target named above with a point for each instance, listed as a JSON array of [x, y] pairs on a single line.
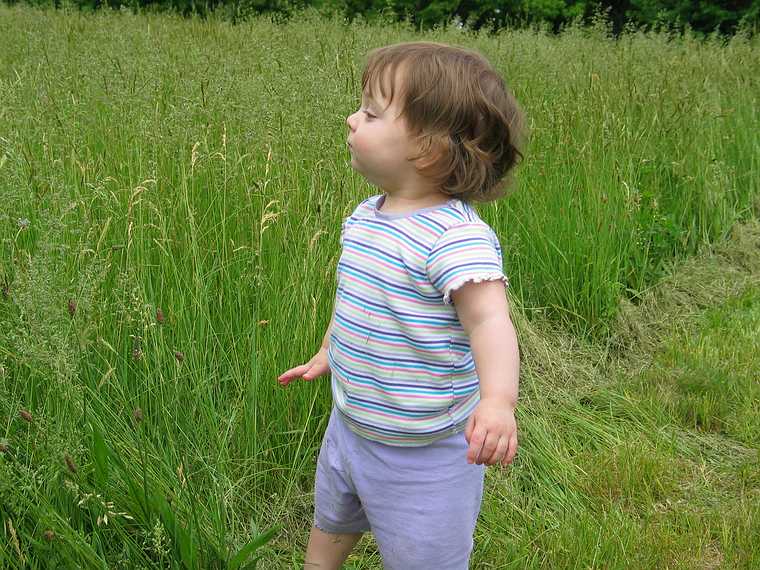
[[171, 194]]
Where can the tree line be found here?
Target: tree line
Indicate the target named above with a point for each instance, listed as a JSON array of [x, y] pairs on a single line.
[[701, 16]]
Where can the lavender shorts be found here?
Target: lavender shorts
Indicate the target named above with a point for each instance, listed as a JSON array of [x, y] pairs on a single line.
[[420, 503]]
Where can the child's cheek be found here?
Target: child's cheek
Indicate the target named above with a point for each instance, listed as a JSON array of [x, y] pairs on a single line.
[[358, 146]]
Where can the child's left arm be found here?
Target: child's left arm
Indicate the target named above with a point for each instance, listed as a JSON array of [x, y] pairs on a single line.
[[491, 430]]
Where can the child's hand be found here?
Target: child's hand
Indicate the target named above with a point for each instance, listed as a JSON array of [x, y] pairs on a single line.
[[316, 367], [491, 432]]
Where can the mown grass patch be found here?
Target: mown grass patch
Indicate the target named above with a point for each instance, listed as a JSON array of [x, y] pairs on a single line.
[[711, 381], [647, 486]]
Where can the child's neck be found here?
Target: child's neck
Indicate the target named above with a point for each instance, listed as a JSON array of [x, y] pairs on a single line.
[[396, 204]]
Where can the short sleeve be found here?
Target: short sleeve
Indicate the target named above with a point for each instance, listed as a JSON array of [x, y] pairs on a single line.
[[465, 252]]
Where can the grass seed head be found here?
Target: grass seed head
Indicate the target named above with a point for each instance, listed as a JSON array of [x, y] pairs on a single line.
[[70, 463], [25, 415], [136, 348], [137, 415], [48, 535], [72, 307], [181, 474], [179, 355], [160, 316], [3, 446]]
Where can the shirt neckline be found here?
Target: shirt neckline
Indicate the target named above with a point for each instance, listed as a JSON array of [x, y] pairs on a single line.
[[380, 214]]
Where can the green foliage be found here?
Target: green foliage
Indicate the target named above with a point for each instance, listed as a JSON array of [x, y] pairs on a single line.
[[725, 16], [718, 15]]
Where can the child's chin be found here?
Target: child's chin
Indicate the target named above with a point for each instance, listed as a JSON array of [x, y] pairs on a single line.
[[353, 164]]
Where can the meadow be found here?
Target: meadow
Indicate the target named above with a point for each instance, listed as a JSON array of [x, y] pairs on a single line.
[[171, 196]]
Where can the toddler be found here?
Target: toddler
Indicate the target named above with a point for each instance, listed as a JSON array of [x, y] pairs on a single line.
[[422, 354]]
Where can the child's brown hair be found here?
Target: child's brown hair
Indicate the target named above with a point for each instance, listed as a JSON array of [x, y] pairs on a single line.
[[467, 122]]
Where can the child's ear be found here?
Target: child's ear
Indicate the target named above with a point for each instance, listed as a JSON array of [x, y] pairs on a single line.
[[430, 151]]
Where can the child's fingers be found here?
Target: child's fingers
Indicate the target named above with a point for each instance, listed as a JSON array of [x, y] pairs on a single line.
[[511, 452], [476, 443], [288, 375], [490, 444], [502, 447]]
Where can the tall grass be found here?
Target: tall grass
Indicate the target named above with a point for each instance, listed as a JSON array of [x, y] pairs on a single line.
[[148, 162]]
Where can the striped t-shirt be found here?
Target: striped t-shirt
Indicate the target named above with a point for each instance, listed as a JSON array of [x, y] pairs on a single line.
[[402, 369]]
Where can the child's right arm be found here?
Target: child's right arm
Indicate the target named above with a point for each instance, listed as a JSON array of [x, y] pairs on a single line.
[[316, 367]]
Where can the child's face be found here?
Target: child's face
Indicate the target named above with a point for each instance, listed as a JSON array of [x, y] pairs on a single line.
[[379, 142]]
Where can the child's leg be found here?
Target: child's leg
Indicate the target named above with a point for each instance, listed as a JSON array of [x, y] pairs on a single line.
[[328, 551], [339, 519]]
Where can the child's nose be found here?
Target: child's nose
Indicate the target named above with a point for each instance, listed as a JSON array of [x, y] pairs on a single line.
[[350, 120]]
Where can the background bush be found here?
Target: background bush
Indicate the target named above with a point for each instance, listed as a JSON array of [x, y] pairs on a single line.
[[723, 16]]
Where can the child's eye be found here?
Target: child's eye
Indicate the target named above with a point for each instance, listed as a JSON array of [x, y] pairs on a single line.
[[369, 115]]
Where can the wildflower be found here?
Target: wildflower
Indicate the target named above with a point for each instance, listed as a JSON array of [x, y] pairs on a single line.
[[70, 463], [72, 307], [137, 415], [160, 316], [179, 356], [48, 535], [23, 223], [25, 415]]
